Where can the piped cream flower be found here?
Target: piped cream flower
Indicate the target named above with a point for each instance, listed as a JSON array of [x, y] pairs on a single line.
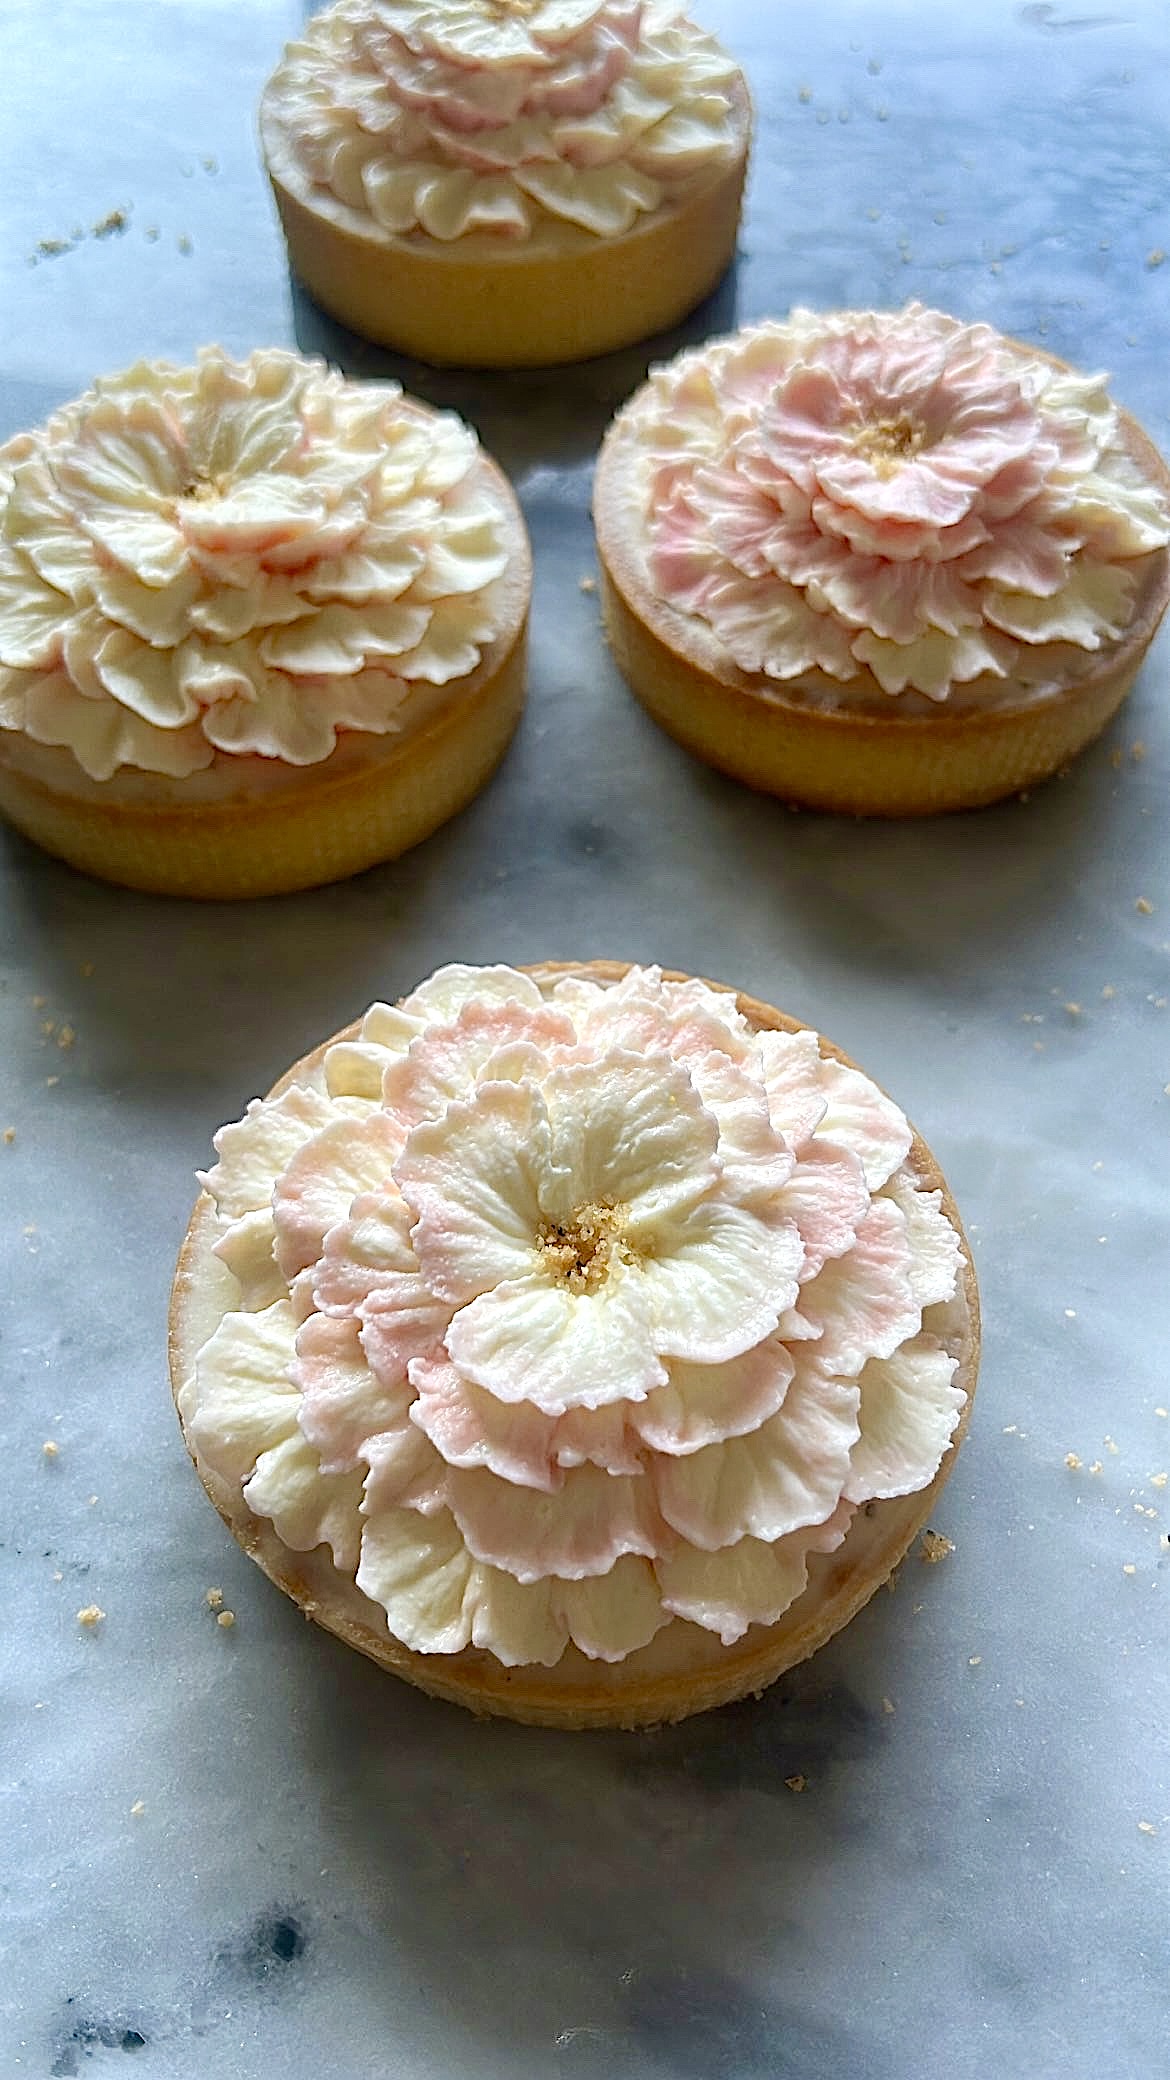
[[240, 557], [564, 1314], [898, 492], [458, 116]]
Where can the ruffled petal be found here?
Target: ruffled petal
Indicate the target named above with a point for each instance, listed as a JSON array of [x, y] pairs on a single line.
[[308, 1506], [342, 1406], [576, 1532], [254, 1151], [787, 1474], [910, 1408], [865, 1302], [245, 1400], [748, 1583], [534, 1341], [320, 1181]]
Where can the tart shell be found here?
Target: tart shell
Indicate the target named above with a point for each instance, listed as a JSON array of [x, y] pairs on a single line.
[[684, 1669], [487, 302], [258, 826], [859, 756]]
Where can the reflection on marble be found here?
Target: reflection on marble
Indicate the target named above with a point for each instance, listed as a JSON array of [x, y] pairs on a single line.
[[240, 1851]]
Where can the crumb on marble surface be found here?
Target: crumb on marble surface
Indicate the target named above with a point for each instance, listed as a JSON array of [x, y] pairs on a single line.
[[214, 1599], [1128, 1567], [1146, 1827], [1145, 906], [138, 1808], [935, 1546], [1096, 1467], [1137, 751], [974, 1660], [1156, 258], [797, 1783], [66, 1036], [1158, 1480], [887, 1705], [227, 1619], [9, 1136], [91, 1615], [112, 225], [1073, 1462], [587, 584], [50, 1448]]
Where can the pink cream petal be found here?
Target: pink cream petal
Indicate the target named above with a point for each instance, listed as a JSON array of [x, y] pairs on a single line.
[[702, 1405], [591, 1522], [864, 1301], [341, 1404], [319, 1184]]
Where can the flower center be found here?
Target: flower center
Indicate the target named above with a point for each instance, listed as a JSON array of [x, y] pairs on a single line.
[[581, 1251], [887, 443], [198, 490]]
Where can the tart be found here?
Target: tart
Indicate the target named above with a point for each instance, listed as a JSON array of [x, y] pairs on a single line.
[[883, 563], [507, 183], [260, 627], [584, 1344]]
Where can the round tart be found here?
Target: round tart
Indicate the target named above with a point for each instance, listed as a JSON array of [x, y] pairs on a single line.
[[507, 183], [584, 1344], [260, 627], [880, 563]]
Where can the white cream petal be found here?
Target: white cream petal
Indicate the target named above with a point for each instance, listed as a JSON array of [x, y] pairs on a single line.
[[254, 1151], [144, 680], [718, 1281], [247, 1251], [102, 736], [579, 1530], [792, 1072], [786, 1475], [611, 1615], [935, 1252], [474, 1178], [910, 1408], [535, 1341], [33, 616], [343, 1406], [749, 1583], [159, 614], [443, 995], [307, 1506], [702, 1405], [245, 1401], [419, 1570], [517, 1622], [628, 1132], [1093, 608]]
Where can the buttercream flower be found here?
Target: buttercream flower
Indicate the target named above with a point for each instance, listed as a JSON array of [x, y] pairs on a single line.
[[568, 1312], [493, 115], [239, 557], [899, 492]]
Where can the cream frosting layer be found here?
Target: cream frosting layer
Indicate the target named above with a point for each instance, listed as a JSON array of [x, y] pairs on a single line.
[[897, 492], [238, 558], [449, 117], [565, 1313]]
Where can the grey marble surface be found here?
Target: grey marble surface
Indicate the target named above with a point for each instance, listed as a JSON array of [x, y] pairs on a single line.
[[330, 1875]]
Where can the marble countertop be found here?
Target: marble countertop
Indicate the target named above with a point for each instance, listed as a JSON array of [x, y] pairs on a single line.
[[235, 1854]]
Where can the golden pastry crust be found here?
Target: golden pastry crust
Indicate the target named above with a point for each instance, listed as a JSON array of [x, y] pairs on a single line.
[[480, 302], [684, 1669], [872, 757], [255, 826]]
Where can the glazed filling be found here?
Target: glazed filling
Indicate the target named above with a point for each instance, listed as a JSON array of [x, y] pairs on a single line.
[[448, 117], [562, 1316], [894, 494], [241, 559]]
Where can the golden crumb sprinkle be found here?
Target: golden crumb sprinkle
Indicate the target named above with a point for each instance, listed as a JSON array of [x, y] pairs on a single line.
[[1096, 1467], [214, 1599], [1129, 1568], [974, 1660], [9, 1135], [1156, 257], [226, 1619], [887, 1705], [66, 1036], [91, 1615], [50, 1448], [138, 1808], [1072, 1461], [587, 584], [935, 1547], [1157, 1480], [797, 1783], [1144, 904], [1146, 1827]]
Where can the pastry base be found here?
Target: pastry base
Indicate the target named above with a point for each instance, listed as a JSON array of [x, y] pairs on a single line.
[[684, 1669], [258, 827], [487, 302], [864, 758]]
